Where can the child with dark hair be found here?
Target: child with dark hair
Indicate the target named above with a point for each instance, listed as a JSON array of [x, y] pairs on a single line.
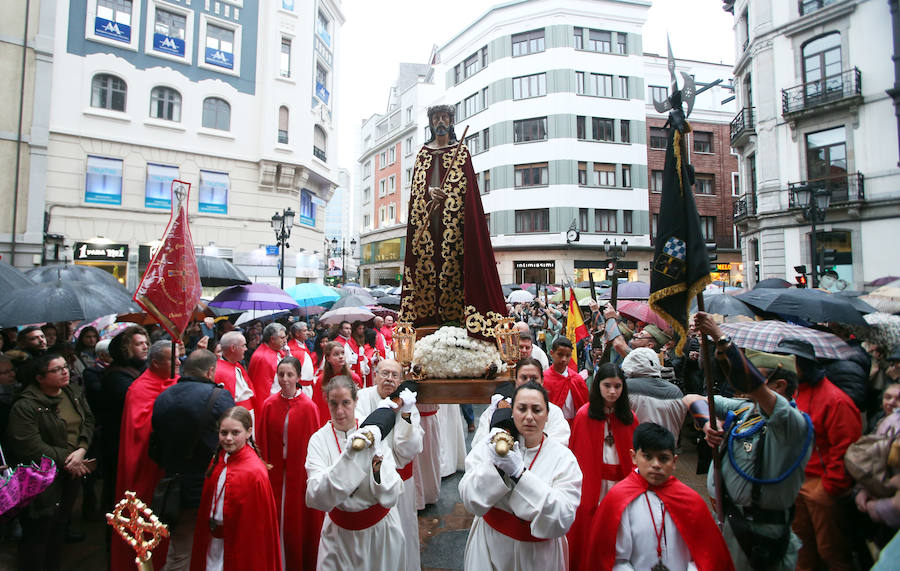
[[653, 520], [565, 386]]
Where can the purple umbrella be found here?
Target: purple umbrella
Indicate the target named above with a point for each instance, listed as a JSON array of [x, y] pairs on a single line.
[[253, 296], [20, 484], [629, 290], [884, 281]]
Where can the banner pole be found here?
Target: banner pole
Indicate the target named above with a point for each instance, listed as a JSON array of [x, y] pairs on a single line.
[[706, 355]]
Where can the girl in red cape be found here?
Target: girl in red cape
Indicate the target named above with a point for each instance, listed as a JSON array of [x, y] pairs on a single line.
[[335, 365], [601, 439], [285, 423], [237, 523]]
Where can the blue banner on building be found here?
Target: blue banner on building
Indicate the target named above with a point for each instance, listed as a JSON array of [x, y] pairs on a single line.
[[103, 181], [219, 58], [322, 93], [168, 45], [213, 192], [112, 30], [271, 250]]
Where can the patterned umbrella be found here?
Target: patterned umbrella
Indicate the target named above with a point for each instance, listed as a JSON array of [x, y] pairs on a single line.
[[765, 335], [383, 311], [883, 329], [20, 484], [253, 296]]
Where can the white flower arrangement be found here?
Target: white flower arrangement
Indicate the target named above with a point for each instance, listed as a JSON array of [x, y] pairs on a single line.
[[450, 353]]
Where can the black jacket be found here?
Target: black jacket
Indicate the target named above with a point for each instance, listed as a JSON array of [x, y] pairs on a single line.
[[179, 418], [851, 375]]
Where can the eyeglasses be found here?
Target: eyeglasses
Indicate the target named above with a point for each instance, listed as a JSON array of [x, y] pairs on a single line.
[[389, 375], [59, 369]]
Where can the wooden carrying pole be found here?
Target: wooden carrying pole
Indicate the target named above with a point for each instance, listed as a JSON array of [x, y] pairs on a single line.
[[706, 353]]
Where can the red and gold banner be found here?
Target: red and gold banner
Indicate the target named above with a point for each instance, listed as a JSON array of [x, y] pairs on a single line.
[[170, 288]]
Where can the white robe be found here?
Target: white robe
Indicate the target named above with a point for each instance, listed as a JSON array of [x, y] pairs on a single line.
[[636, 539], [215, 553], [405, 440], [345, 480], [557, 426], [547, 495], [307, 373], [427, 467], [452, 437]]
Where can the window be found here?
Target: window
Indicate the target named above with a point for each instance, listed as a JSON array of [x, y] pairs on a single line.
[[582, 173], [320, 143], [602, 84], [392, 155], [470, 104], [390, 213], [654, 226], [113, 20], [735, 184], [822, 66], [658, 93], [605, 220], [382, 187], [158, 189], [382, 159], [626, 176], [367, 169], [604, 174], [219, 46], [621, 43], [381, 215], [213, 192], [169, 33], [216, 114], [703, 142], [457, 74], [322, 83], [602, 129], [307, 208], [484, 98], [705, 184], [531, 175], [579, 38], [599, 41], [625, 130], [367, 222], [826, 158], [392, 184], [708, 228], [407, 146], [283, 122], [408, 176], [486, 139], [103, 180], [751, 170], [628, 221], [807, 6], [658, 137], [472, 143], [623, 87], [536, 220], [470, 66], [656, 181], [528, 43], [582, 219], [108, 92], [367, 195], [165, 103], [530, 130], [323, 25], [486, 187], [484, 57], [409, 115], [284, 69], [580, 130], [530, 86], [579, 82]]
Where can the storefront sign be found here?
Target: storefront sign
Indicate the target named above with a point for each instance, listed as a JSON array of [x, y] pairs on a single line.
[[271, 250], [104, 252], [540, 265], [723, 267], [604, 264]]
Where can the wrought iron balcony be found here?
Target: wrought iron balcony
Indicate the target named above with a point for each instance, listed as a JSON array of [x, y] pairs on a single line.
[[320, 154], [743, 124], [822, 94], [844, 188], [809, 6], [744, 208]]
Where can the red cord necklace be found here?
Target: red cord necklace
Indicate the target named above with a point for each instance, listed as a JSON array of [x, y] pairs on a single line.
[[336, 438], [536, 453], [660, 566]]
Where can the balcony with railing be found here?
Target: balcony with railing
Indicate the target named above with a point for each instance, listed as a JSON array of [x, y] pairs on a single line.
[[742, 126], [844, 188], [744, 208], [822, 95], [320, 154], [809, 6]]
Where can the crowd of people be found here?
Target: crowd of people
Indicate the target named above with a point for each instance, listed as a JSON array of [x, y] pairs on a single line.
[[252, 445]]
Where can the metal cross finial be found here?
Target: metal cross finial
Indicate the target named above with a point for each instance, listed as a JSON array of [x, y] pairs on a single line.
[[686, 94], [139, 527]]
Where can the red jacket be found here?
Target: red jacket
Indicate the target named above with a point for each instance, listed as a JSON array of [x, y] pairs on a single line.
[[837, 424]]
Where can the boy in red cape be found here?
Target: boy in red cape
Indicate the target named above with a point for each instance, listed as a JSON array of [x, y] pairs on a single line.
[[650, 520], [566, 388]]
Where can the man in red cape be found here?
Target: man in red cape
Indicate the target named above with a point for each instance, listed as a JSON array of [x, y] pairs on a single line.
[[566, 388], [232, 375], [136, 472], [450, 275], [654, 455], [264, 362]]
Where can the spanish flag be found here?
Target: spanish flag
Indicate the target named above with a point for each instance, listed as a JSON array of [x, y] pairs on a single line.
[[575, 327]]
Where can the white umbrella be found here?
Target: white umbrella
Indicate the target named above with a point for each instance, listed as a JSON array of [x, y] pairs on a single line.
[[350, 314], [520, 296]]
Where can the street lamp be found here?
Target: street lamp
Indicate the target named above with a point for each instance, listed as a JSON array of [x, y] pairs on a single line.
[[282, 224], [614, 252], [342, 252], [814, 203]]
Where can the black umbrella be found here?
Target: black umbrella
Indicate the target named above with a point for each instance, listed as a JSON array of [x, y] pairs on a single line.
[[725, 305], [219, 272], [772, 283], [857, 303], [355, 300], [64, 301], [376, 293], [389, 300], [509, 288], [811, 305], [86, 274], [12, 279]]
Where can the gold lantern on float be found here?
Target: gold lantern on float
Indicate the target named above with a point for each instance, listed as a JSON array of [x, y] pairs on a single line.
[[507, 336], [404, 345]]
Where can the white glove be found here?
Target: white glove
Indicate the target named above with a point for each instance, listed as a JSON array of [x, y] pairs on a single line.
[[513, 464], [361, 433], [495, 399], [387, 403], [409, 401]]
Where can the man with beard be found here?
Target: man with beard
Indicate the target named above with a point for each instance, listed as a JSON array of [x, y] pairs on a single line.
[[30, 344], [450, 274]]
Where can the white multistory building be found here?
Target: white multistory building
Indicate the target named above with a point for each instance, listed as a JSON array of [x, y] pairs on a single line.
[[235, 98], [815, 119]]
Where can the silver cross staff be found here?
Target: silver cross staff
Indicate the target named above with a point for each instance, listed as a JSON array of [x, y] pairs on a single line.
[[676, 97]]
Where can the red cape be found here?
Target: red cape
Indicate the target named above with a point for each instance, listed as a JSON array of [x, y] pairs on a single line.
[[586, 443], [297, 348], [302, 526], [225, 376], [388, 333], [688, 510], [357, 367], [318, 397], [558, 387], [263, 365], [136, 471], [249, 515]]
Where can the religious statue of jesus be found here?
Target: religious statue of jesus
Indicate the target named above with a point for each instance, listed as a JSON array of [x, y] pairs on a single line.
[[450, 276]]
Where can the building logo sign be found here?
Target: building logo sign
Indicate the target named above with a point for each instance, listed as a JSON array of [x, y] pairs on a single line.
[[322, 93], [544, 265], [112, 30], [219, 58], [168, 45], [723, 267], [104, 252]]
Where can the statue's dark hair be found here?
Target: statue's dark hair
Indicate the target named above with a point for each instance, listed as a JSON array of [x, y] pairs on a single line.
[[432, 111]]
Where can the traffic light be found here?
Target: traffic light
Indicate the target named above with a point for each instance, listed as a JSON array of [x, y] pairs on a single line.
[[712, 252], [800, 279], [829, 258]]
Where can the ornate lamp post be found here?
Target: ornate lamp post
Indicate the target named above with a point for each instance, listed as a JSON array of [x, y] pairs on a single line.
[[342, 252], [282, 224], [814, 203], [614, 252]]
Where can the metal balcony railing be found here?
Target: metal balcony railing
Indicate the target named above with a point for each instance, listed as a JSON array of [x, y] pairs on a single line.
[[744, 207], [743, 123], [320, 154], [831, 89], [843, 188], [809, 6]]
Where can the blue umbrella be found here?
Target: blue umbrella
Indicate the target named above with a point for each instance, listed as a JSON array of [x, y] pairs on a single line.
[[309, 294]]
